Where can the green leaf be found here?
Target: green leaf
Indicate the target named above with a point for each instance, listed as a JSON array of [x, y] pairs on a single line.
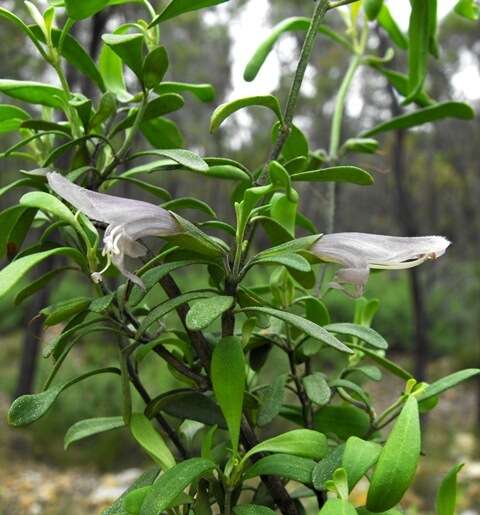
[[316, 311], [64, 310], [435, 112], [338, 507], [155, 67], [162, 133], [11, 118], [11, 275], [351, 174], [166, 307], [106, 109], [284, 211], [391, 28], [252, 509], [146, 186], [91, 426], [400, 82], [84, 9], [384, 362], [448, 382], [271, 400], [29, 408], [223, 111], [146, 479], [172, 483], [294, 261], [129, 47], [419, 41], [143, 431], [288, 25], [205, 312], [398, 460], [365, 334], [306, 326], [358, 458], [181, 203], [343, 421], [468, 9], [228, 380], [183, 157], [446, 500], [111, 70], [188, 404], [363, 145], [372, 8], [34, 286], [316, 388], [364, 511], [305, 443], [178, 7], [325, 468], [283, 465], [49, 204], [33, 92], [204, 92]]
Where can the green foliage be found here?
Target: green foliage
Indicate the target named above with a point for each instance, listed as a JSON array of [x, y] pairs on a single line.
[[231, 344]]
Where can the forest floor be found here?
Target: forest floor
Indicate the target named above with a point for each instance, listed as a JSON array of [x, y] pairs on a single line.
[[36, 487]]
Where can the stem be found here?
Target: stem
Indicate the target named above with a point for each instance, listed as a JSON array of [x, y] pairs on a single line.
[[292, 100], [339, 3], [228, 501]]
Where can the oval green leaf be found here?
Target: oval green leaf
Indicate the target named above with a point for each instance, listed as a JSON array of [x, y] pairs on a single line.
[[89, 427], [351, 174], [205, 312]]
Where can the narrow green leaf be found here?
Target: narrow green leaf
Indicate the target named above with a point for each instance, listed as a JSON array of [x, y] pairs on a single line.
[[364, 511], [365, 334], [448, 382], [223, 111], [294, 261], [398, 460], [146, 186], [325, 468], [204, 92], [146, 479], [111, 70], [155, 67], [29, 408], [305, 443], [351, 174], [178, 7], [468, 9], [390, 26], [228, 379], [358, 458], [384, 362], [38, 284], [419, 40], [143, 431], [316, 388], [400, 82], [288, 25], [64, 310], [91, 426], [372, 8], [49, 204], [181, 156], [435, 112], [205, 312], [308, 327], [363, 145], [172, 483], [181, 203], [33, 92], [446, 500], [283, 465], [11, 275], [84, 9], [129, 47], [11, 118], [271, 400]]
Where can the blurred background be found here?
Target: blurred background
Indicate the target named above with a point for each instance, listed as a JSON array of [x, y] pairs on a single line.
[[426, 182]]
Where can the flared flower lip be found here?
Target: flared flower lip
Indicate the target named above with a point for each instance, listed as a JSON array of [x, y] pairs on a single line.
[[357, 253], [128, 220]]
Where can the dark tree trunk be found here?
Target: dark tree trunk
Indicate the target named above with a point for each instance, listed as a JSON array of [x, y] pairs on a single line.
[[98, 24], [408, 226], [32, 337]]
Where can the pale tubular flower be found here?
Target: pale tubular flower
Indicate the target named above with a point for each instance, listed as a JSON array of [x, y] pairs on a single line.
[[128, 221], [358, 252]]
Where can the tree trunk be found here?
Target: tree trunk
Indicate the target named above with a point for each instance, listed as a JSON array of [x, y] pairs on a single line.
[[32, 336], [408, 226]]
